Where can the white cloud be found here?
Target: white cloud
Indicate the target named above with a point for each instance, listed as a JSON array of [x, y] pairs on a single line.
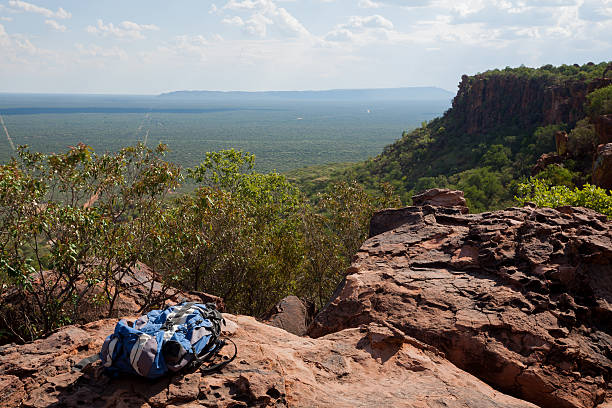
[[183, 49], [32, 8], [363, 30], [399, 3], [235, 21], [592, 10], [95, 51], [368, 4], [264, 13], [257, 25], [375, 21], [125, 29], [3, 18], [55, 25], [4, 38]]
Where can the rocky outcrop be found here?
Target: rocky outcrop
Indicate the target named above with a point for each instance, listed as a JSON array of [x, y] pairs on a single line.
[[370, 366], [451, 201], [486, 102], [291, 314], [520, 298], [546, 160], [441, 197], [602, 166]]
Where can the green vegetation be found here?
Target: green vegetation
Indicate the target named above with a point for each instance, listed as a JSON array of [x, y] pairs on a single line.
[[74, 224], [600, 101], [544, 194], [283, 135], [558, 74]]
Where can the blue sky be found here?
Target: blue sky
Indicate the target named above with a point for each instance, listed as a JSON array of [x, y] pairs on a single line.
[[150, 46]]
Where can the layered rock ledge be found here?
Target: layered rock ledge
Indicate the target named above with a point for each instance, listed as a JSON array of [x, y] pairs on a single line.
[[520, 298]]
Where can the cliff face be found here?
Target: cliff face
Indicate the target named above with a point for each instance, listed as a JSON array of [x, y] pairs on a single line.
[[485, 102]]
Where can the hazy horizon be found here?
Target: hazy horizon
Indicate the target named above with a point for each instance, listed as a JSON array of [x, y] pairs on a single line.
[[225, 91]]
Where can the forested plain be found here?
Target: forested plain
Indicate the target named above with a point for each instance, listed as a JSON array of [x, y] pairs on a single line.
[[284, 135]]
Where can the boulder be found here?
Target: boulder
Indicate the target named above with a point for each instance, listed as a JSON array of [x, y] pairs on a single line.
[[441, 197], [546, 160], [451, 202], [602, 166], [291, 314], [366, 366], [520, 298]]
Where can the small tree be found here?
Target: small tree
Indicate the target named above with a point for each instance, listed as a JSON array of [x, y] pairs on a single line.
[[72, 222], [238, 233]]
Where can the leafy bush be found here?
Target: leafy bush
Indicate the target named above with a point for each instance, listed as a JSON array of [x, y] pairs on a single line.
[[600, 102], [582, 140], [75, 224], [237, 236], [543, 194], [557, 175], [72, 223], [252, 238]]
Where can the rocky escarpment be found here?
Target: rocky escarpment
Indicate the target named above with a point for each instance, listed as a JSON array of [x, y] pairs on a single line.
[[486, 102], [520, 298], [440, 308]]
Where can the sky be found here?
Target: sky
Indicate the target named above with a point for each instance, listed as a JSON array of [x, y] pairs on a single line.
[[152, 46]]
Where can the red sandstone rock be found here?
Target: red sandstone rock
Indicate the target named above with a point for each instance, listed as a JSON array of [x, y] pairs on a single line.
[[369, 366], [441, 197], [546, 160], [602, 166], [520, 298], [487, 102], [603, 127], [291, 314]]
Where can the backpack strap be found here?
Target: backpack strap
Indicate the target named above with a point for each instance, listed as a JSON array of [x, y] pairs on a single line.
[[180, 312], [85, 362], [223, 363]]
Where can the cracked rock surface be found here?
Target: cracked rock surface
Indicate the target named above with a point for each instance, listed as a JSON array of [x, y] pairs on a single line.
[[520, 298], [370, 366]]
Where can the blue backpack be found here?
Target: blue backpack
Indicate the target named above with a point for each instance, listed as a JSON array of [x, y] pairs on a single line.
[[185, 335]]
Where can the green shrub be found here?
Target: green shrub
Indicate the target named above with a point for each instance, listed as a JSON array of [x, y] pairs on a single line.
[[557, 175], [600, 102], [582, 140], [71, 222], [543, 194]]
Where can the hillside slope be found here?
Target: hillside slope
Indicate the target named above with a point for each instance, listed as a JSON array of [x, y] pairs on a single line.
[[500, 123]]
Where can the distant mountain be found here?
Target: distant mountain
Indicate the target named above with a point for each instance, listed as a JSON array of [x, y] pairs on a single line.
[[381, 94]]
